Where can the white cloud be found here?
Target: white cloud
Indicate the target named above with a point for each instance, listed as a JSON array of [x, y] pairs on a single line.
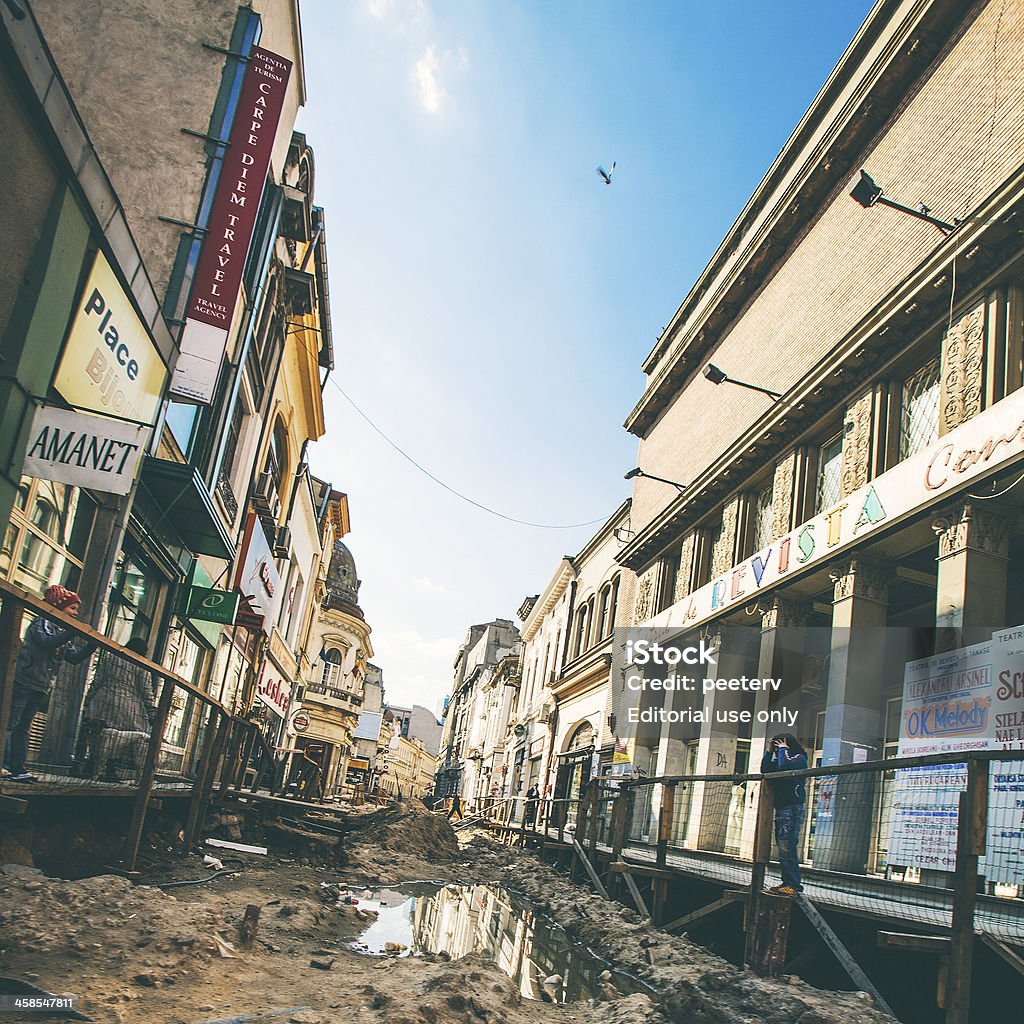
[[431, 93], [427, 584]]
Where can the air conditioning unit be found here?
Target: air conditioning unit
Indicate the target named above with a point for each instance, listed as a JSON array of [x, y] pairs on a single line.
[[282, 542], [264, 494]]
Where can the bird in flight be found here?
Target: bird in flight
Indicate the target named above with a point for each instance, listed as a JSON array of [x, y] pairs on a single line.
[[606, 176]]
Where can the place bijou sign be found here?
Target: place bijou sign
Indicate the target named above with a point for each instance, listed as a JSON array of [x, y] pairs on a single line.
[[236, 201], [968, 452], [109, 366]]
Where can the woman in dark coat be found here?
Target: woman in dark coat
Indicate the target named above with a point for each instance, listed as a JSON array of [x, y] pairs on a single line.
[[47, 643]]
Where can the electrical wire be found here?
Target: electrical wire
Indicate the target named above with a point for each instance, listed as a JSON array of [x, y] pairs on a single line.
[[998, 494], [458, 494]]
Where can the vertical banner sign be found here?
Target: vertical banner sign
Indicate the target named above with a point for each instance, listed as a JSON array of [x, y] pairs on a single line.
[[236, 202]]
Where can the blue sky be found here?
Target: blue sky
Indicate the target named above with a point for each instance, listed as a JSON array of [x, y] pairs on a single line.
[[492, 300]]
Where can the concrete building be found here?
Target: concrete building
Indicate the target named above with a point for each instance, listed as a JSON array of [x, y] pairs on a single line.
[[333, 695], [870, 515], [119, 202], [584, 726], [419, 723], [410, 768], [485, 645]]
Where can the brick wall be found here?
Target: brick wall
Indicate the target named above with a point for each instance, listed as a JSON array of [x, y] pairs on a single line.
[[953, 143]]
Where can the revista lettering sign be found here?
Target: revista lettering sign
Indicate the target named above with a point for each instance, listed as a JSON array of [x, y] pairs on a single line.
[[86, 451], [982, 444], [232, 219], [110, 364]]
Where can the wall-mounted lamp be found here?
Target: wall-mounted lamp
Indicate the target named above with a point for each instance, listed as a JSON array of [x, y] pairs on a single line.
[[719, 376], [650, 476], [868, 193]]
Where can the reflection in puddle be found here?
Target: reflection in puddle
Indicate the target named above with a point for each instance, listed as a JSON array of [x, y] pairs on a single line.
[[465, 919]]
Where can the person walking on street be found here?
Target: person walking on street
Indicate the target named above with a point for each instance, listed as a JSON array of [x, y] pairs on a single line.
[[785, 754], [45, 646], [456, 808], [532, 797]]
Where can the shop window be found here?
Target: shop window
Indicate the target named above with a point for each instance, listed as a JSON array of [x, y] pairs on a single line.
[[830, 476], [47, 536], [134, 600], [919, 410], [763, 518]]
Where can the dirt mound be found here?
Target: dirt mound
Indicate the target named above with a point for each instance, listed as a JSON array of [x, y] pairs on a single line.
[[414, 832]]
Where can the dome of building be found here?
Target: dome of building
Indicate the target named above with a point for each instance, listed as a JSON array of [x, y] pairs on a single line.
[[342, 581]]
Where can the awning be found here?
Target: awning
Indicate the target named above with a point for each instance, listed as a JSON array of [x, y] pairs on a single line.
[[180, 493]]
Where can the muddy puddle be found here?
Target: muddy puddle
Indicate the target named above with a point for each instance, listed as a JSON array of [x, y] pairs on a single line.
[[462, 919]]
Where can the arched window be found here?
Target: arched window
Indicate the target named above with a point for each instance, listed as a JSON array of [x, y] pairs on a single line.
[[582, 737], [604, 612], [331, 675], [591, 637], [580, 640], [614, 607]]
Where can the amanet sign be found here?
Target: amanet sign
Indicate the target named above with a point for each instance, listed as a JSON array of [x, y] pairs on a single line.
[[974, 449]]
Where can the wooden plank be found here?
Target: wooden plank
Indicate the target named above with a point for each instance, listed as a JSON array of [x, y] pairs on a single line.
[[1001, 949], [635, 893], [842, 954], [648, 871], [666, 815], [589, 869], [12, 805], [917, 943], [712, 908]]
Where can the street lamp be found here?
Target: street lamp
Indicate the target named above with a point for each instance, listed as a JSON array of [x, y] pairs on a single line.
[[650, 476], [868, 193], [719, 376]]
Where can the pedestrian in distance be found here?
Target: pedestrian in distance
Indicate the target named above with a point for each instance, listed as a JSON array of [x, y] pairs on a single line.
[[119, 711], [46, 645], [532, 799], [785, 754], [456, 809]]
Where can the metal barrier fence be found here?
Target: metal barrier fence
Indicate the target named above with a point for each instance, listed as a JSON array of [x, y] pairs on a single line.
[[114, 720]]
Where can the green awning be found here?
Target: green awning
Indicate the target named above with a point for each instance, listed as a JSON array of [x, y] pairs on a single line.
[[182, 497]]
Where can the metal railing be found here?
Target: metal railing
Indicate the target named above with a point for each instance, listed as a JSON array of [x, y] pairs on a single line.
[[120, 722]]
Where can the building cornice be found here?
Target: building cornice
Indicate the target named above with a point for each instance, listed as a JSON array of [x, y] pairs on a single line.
[[563, 576], [893, 48], [985, 248]]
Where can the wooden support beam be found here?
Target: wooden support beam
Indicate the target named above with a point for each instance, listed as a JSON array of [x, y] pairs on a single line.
[[12, 614], [205, 779], [1001, 949], [666, 816], [972, 825], [590, 869], [915, 943], [712, 908], [635, 893], [842, 954], [768, 935], [156, 739]]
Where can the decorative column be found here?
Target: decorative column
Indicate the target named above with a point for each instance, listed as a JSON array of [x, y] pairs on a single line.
[[853, 713], [781, 656], [970, 596]]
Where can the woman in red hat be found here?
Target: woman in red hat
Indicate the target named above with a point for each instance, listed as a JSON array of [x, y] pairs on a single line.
[[45, 646]]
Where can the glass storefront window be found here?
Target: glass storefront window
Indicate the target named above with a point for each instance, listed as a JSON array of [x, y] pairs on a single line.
[[830, 469], [134, 598], [48, 534], [919, 415]]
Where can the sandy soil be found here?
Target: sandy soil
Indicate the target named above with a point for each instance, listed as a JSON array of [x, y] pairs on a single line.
[[135, 953]]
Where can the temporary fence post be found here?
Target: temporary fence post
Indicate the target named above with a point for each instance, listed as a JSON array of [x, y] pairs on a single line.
[[595, 815], [761, 855], [11, 615], [156, 739], [204, 781], [970, 845], [665, 816]]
